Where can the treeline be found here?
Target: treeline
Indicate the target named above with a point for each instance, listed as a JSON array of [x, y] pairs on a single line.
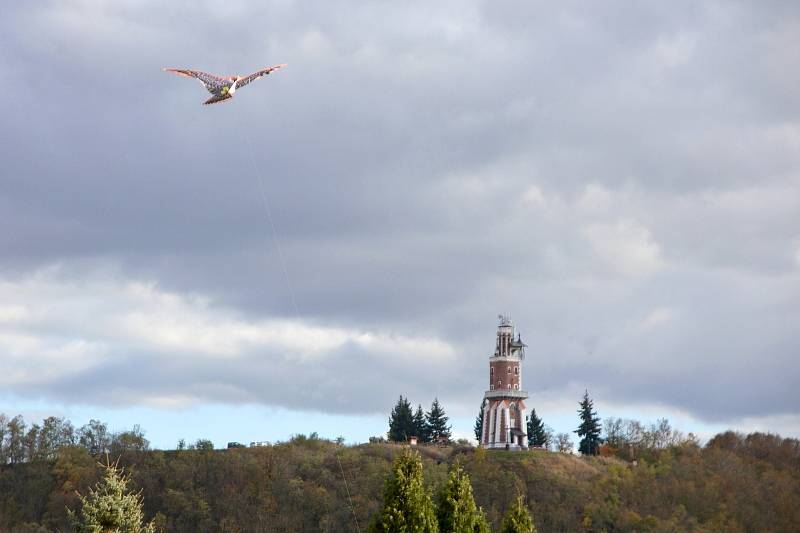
[[22, 443], [430, 426], [734, 483]]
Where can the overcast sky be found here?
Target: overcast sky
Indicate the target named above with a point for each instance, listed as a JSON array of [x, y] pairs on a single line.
[[622, 178]]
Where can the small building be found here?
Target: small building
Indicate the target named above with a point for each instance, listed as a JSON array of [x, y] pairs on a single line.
[[412, 440], [504, 424]]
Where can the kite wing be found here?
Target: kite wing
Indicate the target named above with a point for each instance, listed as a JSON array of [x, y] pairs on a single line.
[[210, 82], [255, 75]]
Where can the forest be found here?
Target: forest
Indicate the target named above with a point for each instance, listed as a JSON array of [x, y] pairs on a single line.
[[733, 483]]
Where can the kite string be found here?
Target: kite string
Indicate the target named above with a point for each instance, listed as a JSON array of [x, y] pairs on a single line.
[[275, 238], [277, 242]]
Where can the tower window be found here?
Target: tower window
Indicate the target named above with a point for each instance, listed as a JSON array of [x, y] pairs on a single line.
[[509, 386], [516, 386], [491, 370], [491, 386], [508, 370], [516, 370]]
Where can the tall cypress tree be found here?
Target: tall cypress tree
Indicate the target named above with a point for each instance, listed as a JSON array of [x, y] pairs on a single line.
[[436, 422], [479, 423], [457, 511], [420, 427], [401, 421], [537, 436], [518, 519], [407, 505], [589, 430]]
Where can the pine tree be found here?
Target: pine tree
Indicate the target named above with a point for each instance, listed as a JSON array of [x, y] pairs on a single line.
[[537, 436], [479, 423], [589, 429], [110, 506], [457, 511], [518, 519], [436, 423], [407, 505], [401, 421], [420, 427]]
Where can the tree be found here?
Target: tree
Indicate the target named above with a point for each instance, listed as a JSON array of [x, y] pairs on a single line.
[[457, 511], [518, 519], [94, 437], [420, 428], [15, 440], [401, 421], [564, 443], [110, 506], [479, 423], [436, 421], [589, 430], [537, 436], [407, 505]]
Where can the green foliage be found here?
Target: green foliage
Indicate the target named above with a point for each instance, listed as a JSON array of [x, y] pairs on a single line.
[[407, 505], [537, 436], [436, 422], [518, 519], [401, 421], [589, 429], [420, 427], [457, 511], [110, 506], [735, 483], [479, 422]]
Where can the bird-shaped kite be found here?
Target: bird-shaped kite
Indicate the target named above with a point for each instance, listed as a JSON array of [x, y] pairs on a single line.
[[222, 89]]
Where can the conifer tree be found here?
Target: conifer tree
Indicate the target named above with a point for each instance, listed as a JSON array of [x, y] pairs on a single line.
[[436, 422], [537, 436], [479, 423], [407, 505], [110, 506], [420, 427], [518, 519], [401, 421], [589, 430], [457, 511]]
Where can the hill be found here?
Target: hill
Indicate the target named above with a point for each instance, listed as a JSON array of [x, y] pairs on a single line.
[[734, 483]]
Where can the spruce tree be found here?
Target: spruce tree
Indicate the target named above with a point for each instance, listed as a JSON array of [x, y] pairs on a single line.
[[589, 430], [110, 506], [401, 421], [407, 505], [457, 511], [436, 422], [420, 427], [518, 519], [479, 423], [537, 436]]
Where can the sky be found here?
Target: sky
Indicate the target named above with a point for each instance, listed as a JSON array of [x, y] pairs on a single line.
[[622, 179]]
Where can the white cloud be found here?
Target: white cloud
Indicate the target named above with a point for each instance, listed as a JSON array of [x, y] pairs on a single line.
[[627, 247], [53, 329]]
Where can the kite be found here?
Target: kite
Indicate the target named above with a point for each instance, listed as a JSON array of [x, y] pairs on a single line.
[[222, 89]]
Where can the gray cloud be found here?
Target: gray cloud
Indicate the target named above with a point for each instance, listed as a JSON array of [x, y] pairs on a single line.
[[623, 179]]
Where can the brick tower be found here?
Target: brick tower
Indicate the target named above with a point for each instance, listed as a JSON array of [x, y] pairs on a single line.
[[504, 414]]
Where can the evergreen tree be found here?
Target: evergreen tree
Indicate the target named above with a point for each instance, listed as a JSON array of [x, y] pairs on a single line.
[[111, 507], [420, 427], [436, 422], [537, 436], [407, 505], [457, 511], [589, 430], [518, 519], [401, 421], [479, 423]]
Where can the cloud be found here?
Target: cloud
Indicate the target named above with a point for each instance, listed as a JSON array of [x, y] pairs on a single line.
[[132, 343], [623, 180], [626, 247]]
